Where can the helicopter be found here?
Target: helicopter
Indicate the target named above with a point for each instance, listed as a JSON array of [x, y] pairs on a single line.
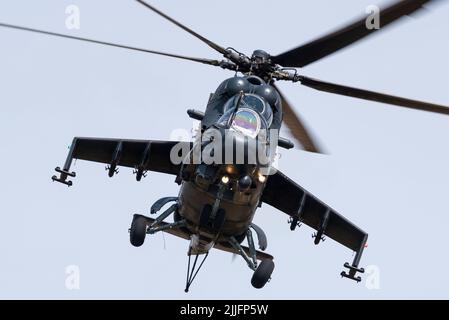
[[227, 172]]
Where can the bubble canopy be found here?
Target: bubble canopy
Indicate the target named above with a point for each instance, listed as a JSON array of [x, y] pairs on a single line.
[[252, 114], [247, 121]]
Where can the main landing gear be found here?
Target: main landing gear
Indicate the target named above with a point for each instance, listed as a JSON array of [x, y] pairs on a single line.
[[141, 225], [262, 272]]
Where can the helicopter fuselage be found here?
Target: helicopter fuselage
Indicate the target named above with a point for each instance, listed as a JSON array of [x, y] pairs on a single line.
[[219, 195]]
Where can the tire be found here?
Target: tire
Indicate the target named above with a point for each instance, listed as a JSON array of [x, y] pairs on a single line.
[[262, 274], [138, 230]]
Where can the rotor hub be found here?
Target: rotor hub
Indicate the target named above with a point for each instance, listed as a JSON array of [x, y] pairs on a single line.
[[260, 57]]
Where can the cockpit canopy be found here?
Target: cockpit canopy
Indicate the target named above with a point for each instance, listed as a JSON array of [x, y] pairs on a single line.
[[247, 114]]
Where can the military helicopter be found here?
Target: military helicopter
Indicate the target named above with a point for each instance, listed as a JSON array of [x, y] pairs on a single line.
[[218, 198]]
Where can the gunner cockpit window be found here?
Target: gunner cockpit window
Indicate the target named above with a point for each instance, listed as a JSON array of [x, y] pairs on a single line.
[[246, 121], [250, 102]]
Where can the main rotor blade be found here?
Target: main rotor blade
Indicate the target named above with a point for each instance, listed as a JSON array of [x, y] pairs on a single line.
[[372, 96], [201, 60], [297, 127], [211, 44], [332, 42]]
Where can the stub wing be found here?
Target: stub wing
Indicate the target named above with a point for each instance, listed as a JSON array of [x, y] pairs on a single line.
[[287, 196], [142, 155]]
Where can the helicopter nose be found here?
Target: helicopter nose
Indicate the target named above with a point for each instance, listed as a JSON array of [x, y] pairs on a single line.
[[227, 146]]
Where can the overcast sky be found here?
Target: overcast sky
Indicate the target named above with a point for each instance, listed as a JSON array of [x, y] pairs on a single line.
[[387, 167]]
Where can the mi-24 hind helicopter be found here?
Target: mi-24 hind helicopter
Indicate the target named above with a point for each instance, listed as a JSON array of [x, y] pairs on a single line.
[[218, 199]]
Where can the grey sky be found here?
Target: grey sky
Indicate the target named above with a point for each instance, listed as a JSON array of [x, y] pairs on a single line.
[[387, 170]]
